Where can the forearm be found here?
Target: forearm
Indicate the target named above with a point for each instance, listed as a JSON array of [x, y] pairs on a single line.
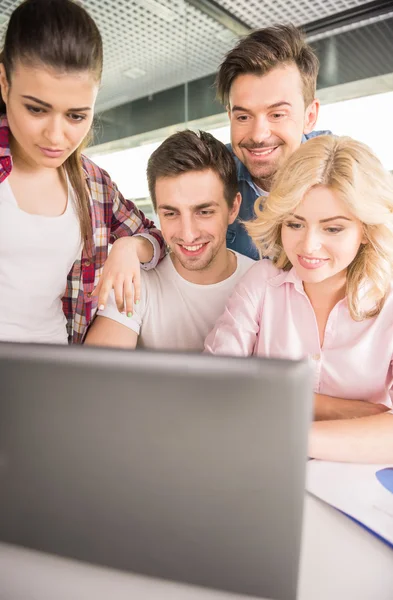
[[144, 247], [327, 408], [363, 440]]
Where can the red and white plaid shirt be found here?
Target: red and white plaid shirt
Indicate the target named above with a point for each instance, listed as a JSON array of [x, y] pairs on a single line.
[[112, 217]]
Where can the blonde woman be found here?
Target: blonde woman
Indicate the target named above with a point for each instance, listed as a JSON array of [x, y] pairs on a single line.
[[326, 294]]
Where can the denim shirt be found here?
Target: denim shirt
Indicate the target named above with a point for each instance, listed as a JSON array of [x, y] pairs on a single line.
[[237, 237]]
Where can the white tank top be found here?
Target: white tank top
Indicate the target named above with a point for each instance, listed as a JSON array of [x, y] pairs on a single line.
[[36, 255]]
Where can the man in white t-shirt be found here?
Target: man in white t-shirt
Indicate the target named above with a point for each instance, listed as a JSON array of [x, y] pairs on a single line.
[[193, 185]]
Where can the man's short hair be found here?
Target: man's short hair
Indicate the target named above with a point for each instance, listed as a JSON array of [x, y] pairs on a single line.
[[187, 151], [263, 50]]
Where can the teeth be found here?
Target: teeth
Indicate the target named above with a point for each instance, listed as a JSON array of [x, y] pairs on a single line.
[[193, 248], [262, 152], [312, 261]]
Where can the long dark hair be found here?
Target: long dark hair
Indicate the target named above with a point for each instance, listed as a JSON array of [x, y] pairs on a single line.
[[59, 34]]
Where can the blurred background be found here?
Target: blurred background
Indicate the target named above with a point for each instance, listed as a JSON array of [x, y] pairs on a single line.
[[161, 57]]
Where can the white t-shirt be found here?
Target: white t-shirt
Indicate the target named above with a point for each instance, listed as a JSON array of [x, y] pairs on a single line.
[[173, 313], [36, 255]]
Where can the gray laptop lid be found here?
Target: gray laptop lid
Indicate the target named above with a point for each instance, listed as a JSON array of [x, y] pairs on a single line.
[[180, 466]]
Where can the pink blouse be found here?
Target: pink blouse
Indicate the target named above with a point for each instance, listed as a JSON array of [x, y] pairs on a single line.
[[269, 314]]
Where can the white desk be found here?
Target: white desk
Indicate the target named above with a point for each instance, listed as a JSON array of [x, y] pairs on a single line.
[[340, 561]]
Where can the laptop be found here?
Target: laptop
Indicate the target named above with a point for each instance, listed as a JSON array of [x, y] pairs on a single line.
[[180, 466]]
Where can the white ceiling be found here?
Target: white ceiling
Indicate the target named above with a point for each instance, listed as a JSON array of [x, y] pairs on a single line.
[[259, 13], [151, 45]]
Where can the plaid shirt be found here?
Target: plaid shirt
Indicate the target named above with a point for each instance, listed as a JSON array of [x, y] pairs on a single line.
[[112, 217]]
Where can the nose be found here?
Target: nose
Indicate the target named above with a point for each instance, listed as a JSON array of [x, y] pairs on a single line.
[[261, 129], [54, 132], [189, 229], [311, 242]]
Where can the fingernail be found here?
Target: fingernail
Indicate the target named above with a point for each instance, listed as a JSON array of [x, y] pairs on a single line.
[[101, 307], [136, 301], [129, 314]]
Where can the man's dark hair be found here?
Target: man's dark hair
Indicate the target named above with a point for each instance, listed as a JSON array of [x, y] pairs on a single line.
[[263, 50], [187, 151]]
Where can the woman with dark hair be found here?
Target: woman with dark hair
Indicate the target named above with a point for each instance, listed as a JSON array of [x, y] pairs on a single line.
[[58, 210]]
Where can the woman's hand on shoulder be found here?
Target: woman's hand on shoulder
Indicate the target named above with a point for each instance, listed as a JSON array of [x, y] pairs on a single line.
[[122, 273]]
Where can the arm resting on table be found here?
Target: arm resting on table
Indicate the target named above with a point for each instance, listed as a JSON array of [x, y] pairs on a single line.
[[363, 440], [327, 408]]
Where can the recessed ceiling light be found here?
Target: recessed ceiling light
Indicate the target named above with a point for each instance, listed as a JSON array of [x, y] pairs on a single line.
[[134, 72], [225, 35], [158, 9]]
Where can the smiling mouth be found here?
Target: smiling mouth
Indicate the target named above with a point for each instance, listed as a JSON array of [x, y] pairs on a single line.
[[194, 249], [313, 262], [261, 152]]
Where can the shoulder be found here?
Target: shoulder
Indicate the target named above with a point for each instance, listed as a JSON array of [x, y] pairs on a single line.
[[4, 132], [254, 282], [264, 270], [103, 190], [156, 283], [243, 262], [386, 312], [164, 271], [95, 173], [313, 134]]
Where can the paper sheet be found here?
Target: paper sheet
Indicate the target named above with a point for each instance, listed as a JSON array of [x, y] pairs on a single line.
[[364, 492]]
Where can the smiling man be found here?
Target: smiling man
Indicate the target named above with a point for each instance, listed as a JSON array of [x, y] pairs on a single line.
[[193, 185], [268, 84]]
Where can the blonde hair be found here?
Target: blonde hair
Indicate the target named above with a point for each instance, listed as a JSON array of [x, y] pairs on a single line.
[[350, 169]]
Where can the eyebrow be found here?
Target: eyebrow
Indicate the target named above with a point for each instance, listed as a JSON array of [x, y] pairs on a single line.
[[195, 207], [237, 108], [46, 105], [323, 220]]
